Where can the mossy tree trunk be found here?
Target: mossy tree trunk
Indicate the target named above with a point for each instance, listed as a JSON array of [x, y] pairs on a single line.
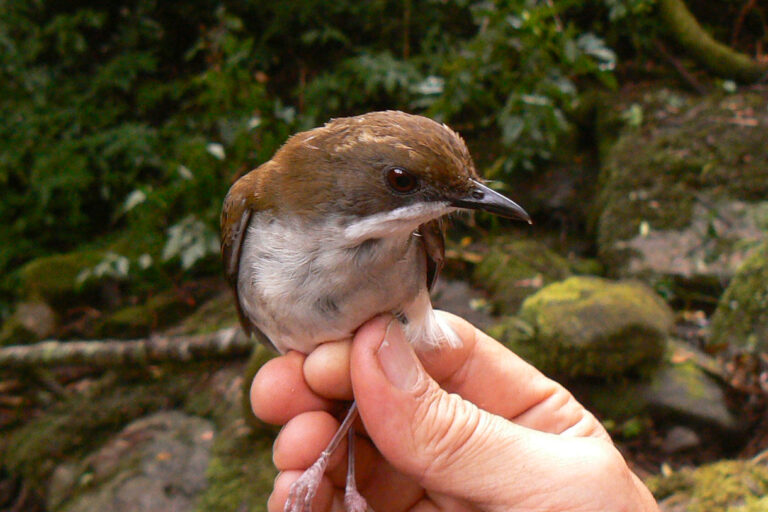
[[715, 56]]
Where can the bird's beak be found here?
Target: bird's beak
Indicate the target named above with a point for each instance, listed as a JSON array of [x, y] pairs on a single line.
[[483, 198]]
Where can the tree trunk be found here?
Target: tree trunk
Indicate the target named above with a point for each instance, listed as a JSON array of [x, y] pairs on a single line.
[[715, 56]]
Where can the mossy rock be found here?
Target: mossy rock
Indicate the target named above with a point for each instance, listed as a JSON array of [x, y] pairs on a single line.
[[30, 322], [514, 269], [216, 313], [725, 486], [53, 279], [589, 326], [684, 393], [160, 311], [740, 321], [78, 423], [158, 461], [683, 188]]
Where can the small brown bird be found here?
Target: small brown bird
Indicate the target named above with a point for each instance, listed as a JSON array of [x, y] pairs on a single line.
[[344, 223]]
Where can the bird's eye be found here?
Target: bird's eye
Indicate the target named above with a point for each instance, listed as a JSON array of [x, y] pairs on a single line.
[[401, 180]]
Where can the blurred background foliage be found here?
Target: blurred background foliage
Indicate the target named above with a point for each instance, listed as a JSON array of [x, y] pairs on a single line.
[[125, 123]]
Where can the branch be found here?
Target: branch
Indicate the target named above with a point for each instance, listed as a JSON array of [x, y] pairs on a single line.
[[223, 344], [715, 56]]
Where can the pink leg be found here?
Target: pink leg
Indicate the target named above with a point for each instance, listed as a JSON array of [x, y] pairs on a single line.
[[304, 489], [353, 500]]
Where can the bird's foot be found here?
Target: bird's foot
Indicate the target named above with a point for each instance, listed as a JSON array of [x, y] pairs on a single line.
[[354, 502], [303, 490]]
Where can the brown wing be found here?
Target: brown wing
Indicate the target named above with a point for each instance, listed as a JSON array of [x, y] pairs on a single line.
[[235, 217], [433, 236]]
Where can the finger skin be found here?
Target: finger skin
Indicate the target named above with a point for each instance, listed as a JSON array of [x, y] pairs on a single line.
[[495, 379], [451, 446], [279, 391], [326, 370], [303, 438]]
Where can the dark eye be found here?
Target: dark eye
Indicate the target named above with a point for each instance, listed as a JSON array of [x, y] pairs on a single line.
[[401, 180]]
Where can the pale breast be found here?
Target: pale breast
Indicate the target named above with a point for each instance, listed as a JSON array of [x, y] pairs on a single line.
[[304, 285]]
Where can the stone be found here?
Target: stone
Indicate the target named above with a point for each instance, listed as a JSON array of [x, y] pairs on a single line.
[[156, 463], [159, 311], [589, 326], [461, 299], [681, 200], [680, 438], [53, 279], [685, 393], [514, 269], [30, 322], [740, 321]]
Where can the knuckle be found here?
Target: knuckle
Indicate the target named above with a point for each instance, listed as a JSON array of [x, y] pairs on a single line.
[[446, 427]]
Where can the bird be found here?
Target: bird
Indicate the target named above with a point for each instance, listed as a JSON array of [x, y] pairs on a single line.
[[346, 222]]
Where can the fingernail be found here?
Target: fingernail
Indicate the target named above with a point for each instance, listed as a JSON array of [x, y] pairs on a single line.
[[397, 358]]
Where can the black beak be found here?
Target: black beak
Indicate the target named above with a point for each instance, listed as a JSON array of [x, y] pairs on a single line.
[[486, 199]]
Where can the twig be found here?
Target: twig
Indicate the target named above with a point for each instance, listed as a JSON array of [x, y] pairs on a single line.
[[223, 344], [740, 20], [684, 73]]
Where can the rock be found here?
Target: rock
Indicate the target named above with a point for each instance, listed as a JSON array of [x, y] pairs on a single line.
[[740, 321], [729, 485], [459, 298], [588, 326], [684, 393], [679, 439], [682, 191], [514, 269], [53, 279], [161, 310], [156, 463], [30, 322]]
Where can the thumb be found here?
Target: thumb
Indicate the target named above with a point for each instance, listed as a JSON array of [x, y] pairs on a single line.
[[444, 442]]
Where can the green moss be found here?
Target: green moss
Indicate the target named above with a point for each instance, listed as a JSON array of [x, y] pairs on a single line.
[[741, 318], [514, 269], [216, 313], [53, 278], [684, 149], [162, 310], [240, 474], [74, 426], [587, 326], [732, 485]]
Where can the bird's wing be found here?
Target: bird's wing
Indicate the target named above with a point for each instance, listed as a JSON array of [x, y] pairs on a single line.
[[433, 236], [235, 218]]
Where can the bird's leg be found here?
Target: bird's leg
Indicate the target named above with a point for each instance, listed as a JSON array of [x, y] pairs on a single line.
[[353, 500], [303, 490]]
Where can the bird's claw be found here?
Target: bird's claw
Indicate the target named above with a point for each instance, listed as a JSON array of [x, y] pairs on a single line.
[[303, 490], [354, 502]]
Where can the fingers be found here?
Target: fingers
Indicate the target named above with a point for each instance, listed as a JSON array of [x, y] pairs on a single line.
[[300, 443], [279, 391], [326, 370], [482, 371], [449, 445], [495, 379]]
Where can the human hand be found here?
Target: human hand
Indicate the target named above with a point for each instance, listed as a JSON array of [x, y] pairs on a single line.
[[474, 428]]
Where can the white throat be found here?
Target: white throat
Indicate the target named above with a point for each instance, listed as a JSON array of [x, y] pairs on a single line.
[[395, 223]]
